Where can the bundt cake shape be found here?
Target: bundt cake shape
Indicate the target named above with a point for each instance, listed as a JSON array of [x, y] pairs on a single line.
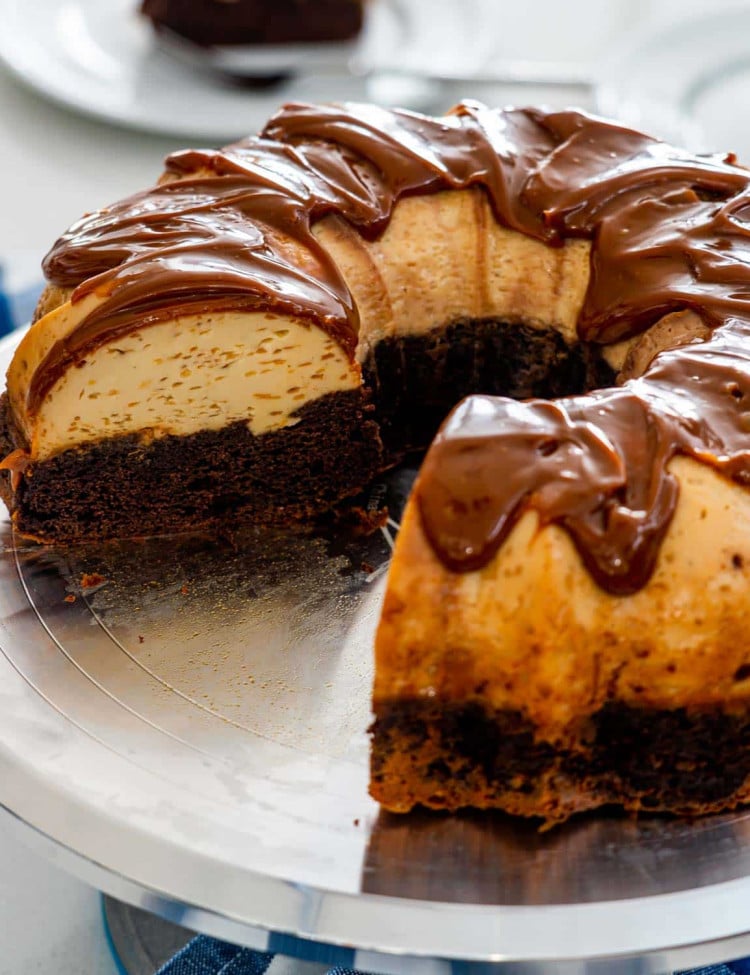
[[274, 323]]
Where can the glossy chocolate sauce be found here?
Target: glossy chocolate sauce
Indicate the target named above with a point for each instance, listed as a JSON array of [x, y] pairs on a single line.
[[669, 231]]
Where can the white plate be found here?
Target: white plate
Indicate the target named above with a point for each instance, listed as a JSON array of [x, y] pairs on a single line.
[[688, 83], [101, 58]]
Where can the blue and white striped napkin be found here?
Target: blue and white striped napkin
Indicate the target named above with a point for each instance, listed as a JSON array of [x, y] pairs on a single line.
[[20, 287], [208, 956]]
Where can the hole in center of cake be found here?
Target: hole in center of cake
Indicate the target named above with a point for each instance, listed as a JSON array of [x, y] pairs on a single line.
[[416, 380]]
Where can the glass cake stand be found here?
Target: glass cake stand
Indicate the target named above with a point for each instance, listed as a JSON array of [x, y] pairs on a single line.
[[183, 724]]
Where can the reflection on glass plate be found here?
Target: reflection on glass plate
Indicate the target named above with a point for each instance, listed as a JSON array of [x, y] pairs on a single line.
[[688, 83]]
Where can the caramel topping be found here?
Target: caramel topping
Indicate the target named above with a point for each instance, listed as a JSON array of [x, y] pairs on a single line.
[[669, 232], [17, 462]]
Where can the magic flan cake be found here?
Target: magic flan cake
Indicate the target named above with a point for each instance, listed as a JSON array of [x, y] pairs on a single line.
[[274, 323]]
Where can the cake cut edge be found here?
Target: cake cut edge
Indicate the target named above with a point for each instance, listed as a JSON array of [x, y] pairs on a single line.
[[524, 686]]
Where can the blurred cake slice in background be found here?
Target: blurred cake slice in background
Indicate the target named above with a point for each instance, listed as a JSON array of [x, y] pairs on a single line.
[[220, 22]]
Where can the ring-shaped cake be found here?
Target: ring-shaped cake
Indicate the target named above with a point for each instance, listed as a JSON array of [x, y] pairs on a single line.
[[273, 324]]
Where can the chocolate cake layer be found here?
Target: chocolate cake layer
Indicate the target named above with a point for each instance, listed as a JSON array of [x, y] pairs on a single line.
[[127, 486], [448, 755], [417, 380], [209, 22]]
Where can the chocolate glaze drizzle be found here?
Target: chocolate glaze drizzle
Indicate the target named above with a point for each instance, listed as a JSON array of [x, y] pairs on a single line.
[[595, 464], [669, 231]]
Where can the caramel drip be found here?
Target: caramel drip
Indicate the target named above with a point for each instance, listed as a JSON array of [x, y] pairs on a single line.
[[17, 462], [668, 230]]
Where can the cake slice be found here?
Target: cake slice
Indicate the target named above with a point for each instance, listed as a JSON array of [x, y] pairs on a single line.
[[257, 22], [564, 622]]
